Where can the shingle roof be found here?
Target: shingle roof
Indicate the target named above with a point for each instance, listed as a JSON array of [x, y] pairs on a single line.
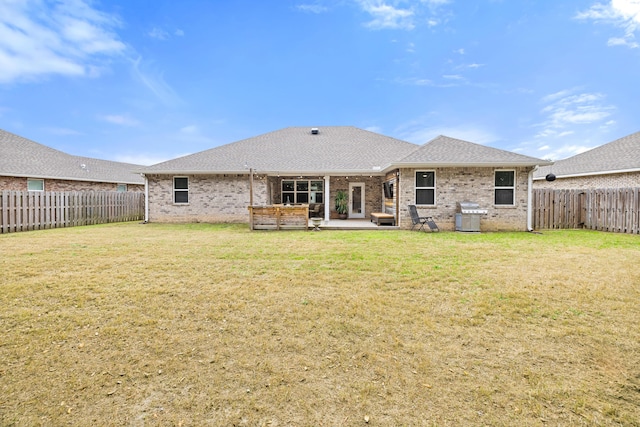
[[621, 155], [446, 151], [335, 149], [25, 158], [343, 149]]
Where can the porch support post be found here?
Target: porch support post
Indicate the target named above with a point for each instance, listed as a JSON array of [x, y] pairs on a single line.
[[327, 194]]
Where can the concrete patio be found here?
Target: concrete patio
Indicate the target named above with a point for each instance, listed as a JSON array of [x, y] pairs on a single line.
[[351, 224]]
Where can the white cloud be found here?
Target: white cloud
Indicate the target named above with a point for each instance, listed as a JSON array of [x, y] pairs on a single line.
[[403, 14], [311, 8], [566, 109], [565, 151], [158, 33], [192, 129], [155, 82], [142, 159], [162, 34], [623, 14], [65, 37], [418, 133], [376, 129], [569, 119], [386, 16], [118, 119]]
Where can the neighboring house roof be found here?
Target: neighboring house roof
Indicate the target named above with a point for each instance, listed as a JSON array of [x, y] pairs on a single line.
[[619, 156], [22, 157], [445, 151], [335, 149]]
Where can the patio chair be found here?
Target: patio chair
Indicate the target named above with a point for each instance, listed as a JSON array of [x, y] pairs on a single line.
[[416, 219]]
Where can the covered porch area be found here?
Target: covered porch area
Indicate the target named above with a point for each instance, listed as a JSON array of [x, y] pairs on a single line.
[[366, 194]]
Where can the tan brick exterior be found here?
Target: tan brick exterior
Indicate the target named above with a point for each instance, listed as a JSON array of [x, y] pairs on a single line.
[[220, 198], [212, 198], [458, 184], [20, 184], [614, 180]]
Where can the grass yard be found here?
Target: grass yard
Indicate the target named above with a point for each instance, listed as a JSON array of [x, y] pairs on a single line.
[[191, 325]]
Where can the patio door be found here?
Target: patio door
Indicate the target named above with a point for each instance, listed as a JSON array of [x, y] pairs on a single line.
[[356, 200]]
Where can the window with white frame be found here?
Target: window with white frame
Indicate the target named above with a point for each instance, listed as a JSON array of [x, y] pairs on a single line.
[[302, 191], [121, 187], [35, 184], [505, 187], [425, 188], [180, 189]]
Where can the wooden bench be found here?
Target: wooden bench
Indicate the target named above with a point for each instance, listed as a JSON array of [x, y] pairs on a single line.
[[381, 218]]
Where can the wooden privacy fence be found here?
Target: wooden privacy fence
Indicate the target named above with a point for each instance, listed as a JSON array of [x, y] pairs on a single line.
[[616, 210], [37, 210]]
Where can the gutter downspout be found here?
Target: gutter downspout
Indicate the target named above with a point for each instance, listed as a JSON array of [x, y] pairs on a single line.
[[146, 199], [530, 199]]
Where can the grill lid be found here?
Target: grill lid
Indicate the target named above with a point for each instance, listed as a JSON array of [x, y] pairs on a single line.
[[467, 207]]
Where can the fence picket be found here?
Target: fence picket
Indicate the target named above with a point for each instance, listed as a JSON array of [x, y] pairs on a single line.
[[29, 210], [615, 210]]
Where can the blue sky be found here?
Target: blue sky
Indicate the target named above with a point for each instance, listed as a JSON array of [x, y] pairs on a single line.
[[143, 81]]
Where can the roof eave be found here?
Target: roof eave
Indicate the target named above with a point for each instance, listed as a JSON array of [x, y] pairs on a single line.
[[320, 172], [582, 174], [471, 164], [63, 178]]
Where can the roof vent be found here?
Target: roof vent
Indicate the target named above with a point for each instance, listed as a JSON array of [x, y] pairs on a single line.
[[314, 131]]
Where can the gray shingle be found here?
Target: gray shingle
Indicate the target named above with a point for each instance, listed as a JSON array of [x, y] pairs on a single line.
[[343, 149], [336, 149], [446, 151], [25, 158], [620, 155]]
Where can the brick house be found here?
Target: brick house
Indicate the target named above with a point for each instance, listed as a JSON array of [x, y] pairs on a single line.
[[27, 165], [309, 165], [612, 165]]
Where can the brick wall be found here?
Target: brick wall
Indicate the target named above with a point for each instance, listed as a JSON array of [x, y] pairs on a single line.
[[13, 183], [20, 184], [212, 198], [617, 180], [474, 184], [372, 191], [218, 198]]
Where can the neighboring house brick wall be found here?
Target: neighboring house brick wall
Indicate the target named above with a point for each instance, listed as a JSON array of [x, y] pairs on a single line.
[[474, 184], [13, 183], [20, 184], [614, 180], [212, 198]]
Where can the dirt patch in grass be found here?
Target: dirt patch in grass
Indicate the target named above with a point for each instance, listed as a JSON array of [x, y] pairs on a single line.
[[192, 325]]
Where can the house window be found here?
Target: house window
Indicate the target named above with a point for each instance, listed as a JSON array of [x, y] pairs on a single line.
[[302, 191], [505, 188], [121, 187], [425, 188], [35, 184], [180, 189]]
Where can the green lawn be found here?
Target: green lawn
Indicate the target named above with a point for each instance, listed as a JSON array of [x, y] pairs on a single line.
[[190, 325]]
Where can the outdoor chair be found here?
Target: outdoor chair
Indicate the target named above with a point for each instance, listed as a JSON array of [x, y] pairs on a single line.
[[416, 219]]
